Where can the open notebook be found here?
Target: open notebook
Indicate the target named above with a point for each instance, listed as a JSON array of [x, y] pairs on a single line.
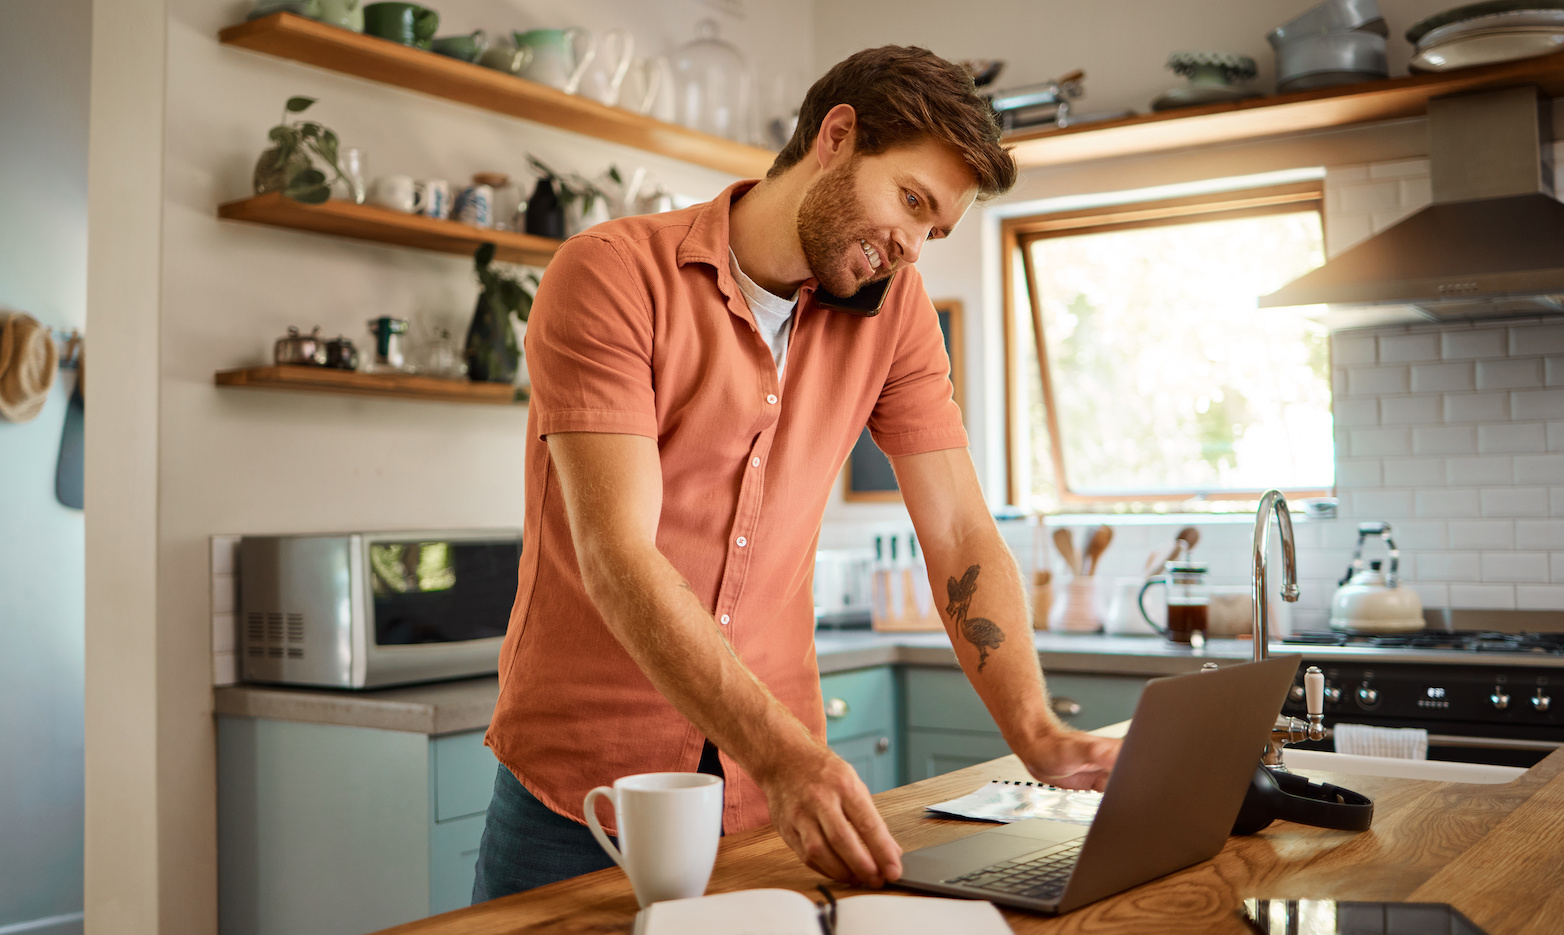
[[785, 912]]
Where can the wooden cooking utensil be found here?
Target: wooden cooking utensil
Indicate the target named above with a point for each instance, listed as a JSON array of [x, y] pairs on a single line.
[[1095, 546], [1179, 550], [1066, 548], [1187, 539]]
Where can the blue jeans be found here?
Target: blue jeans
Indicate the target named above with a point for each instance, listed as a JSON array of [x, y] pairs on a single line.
[[525, 844]]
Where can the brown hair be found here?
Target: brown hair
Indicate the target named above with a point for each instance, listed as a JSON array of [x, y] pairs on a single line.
[[903, 95]]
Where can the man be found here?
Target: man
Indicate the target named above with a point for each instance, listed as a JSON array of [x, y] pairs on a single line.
[[694, 398]]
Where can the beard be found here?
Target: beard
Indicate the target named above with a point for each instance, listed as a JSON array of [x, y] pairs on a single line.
[[831, 224]]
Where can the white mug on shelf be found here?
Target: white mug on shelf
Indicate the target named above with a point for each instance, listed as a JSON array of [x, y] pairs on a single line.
[[396, 192], [435, 198], [668, 827], [605, 78]]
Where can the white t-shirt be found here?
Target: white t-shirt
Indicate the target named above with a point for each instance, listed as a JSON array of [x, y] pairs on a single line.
[[773, 314]]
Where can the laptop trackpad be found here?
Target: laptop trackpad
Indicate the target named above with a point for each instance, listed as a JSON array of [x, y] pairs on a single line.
[[987, 847]]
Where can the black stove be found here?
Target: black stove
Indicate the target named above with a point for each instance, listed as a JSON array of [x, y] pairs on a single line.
[[1474, 641]]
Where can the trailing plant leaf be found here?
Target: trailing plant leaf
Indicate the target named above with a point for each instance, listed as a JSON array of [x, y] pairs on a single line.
[[297, 105]]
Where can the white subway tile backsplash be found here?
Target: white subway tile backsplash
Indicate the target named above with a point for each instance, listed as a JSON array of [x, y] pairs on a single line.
[[225, 555], [1443, 378], [1379, 442], [1358, 411], [1444, 440], [1410, 410], [1376, 381], [1481, 342], [1483, 596], [1537, 404], [1557, 496], [1338, 383], [1404, 348], [1421, 535], [225, 668], [1447, 566], [1358, 473], [224, 594], [1556, 561], [1476, 407], [1352, 349], [1337, 177], [1415, 472], [1539, 597], [1539, 469], [1509, 374], [1555, 371], [224, 634], [1516, 567], [1345, 231], [1514, 501], [1432, 595], [1367, 197], [1382, 218], [1539, 534], [1381, 504], [1482, 534], [1417, 192], [1489, 469], [1556, 436], [1526, 340], [1521, 437], [1448, 504]]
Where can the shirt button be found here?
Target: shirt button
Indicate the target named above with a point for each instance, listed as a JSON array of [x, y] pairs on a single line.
[[742, 542], [771, 398], [724, 619], [754, 462]]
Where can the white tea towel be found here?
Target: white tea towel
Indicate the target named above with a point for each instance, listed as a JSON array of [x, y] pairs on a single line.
[[1403, 743]]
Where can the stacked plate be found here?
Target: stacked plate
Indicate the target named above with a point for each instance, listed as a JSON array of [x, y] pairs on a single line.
[[1483, 33]]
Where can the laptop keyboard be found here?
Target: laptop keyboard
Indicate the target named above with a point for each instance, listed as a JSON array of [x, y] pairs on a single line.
[[1035, 877]]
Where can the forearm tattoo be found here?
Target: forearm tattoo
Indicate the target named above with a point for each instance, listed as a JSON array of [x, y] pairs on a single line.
[[981, 632]]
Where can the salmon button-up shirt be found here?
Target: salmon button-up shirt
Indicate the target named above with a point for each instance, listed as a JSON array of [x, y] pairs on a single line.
[[638, 328]]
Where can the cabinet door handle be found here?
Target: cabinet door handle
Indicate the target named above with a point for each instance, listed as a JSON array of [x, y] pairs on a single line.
[[1066, 707], [883, 745], [836, 709]]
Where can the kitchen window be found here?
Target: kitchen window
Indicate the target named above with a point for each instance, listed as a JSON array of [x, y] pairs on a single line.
[[1138, 367]]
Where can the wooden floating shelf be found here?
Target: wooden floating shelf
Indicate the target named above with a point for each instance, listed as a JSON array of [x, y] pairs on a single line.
[[290, 36], [390, 385], [1279, 114], [383, 225]]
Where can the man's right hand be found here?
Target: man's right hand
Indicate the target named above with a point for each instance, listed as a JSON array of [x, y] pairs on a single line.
[[824, 813]]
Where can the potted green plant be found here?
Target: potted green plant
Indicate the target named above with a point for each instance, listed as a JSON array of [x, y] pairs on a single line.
[[563, 205], [289, 166], [493, 353]]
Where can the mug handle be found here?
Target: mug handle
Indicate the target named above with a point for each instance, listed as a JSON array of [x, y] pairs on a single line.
[[584, 61], [597, 829], [425, 23], [1140, 601], [625, 43]]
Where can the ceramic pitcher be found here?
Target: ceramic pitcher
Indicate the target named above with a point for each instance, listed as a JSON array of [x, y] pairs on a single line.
[[560, 57]]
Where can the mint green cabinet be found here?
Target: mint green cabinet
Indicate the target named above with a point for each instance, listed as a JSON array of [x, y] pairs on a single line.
[[331, 830], [862, 723], [949, 728]]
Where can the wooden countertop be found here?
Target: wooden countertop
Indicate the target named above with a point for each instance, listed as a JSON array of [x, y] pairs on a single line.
[[1495, 852]]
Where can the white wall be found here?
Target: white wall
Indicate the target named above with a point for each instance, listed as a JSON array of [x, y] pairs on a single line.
[[43, 245]]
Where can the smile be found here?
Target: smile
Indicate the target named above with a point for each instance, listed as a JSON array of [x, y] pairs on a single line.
[[871, 253]]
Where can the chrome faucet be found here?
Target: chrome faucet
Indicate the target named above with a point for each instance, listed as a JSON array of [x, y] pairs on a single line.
[[1287, 729]]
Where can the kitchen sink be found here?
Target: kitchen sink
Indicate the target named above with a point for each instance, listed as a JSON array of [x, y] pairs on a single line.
[[1308, 761]]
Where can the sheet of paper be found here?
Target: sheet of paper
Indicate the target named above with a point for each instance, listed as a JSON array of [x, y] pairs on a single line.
[[917, 915], [1006, 801], [745, 912]]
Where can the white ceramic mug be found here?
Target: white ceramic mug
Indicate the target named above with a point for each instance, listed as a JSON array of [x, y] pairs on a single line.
[[434, 197], [668, 825], [396, 192], [560, 57]]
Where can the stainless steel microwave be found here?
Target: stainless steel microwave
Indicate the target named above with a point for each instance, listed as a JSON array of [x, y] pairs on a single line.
[[368, 610]]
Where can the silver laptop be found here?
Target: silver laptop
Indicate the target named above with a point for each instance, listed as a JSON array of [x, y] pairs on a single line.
[[1176, 788]]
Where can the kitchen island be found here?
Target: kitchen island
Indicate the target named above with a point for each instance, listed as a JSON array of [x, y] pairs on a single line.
[[1495, 852]]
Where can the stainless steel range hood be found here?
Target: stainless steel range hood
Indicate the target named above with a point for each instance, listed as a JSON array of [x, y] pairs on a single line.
[[1490, 246]]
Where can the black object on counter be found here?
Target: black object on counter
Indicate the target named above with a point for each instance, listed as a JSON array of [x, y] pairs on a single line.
[[545, 212], [1274, 795]]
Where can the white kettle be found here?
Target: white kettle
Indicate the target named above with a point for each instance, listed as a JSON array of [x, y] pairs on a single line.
[[1370, 600]]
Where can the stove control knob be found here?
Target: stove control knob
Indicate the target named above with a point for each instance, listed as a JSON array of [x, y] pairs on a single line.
[[1367, 697], [1332, 694], [1296, 695], [1540, 701], [1500, 698]]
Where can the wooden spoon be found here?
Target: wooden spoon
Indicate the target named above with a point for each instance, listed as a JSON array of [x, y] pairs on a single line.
[[1066, 548], [1187, 539], [1098, 544]]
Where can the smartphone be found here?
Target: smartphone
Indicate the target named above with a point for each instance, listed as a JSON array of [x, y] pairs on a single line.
[[865, 303], [1329, 917]]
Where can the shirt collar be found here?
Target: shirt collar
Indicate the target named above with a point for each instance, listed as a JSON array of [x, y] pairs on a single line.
[[708, 240]]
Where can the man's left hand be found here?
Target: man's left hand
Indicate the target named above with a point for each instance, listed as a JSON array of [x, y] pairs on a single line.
[[1071, 759]]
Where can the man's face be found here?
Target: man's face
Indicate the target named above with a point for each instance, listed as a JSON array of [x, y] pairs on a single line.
[[869, 216]]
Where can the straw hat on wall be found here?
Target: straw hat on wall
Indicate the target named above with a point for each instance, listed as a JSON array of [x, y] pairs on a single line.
[[28, 360]]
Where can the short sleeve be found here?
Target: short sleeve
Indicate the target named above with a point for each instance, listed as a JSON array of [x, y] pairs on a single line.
[[589, 344], [916, 411]]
